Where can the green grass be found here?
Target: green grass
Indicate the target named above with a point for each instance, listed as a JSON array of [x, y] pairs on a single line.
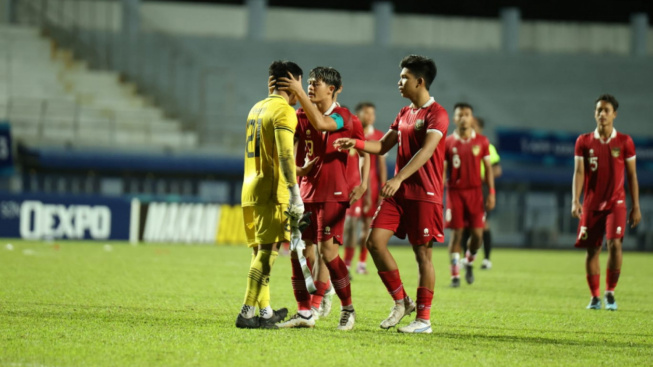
[[78, 304]]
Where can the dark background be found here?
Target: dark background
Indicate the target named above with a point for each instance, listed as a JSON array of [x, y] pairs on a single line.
[[614, 11]]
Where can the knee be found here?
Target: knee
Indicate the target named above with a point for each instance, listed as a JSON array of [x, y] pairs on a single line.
[[614, 245]]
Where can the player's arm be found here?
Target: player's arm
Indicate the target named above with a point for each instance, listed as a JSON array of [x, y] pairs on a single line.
[[577, 187], [316, 118], [635, 214], [422, 156], [359, 190], [496, 161], [489, 178], [497, 171], [380, 147], [284, 135], [382, 169], [444, 170]]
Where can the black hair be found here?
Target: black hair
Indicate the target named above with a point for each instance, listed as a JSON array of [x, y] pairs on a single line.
[[463, 105], [280, 68], [328, 76], [610, 99], [421, 67], [362, 105]]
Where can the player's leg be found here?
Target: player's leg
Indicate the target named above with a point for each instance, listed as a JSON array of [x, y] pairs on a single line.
[[615, 227], [247, 317], [454, 256], [487, 245], [350, 239], [474, 209], [591, 230], [470, 256], [454, 220], [386, 223], [330, 238], [464, 240], [421, 234], [366, 222], [303, 317]]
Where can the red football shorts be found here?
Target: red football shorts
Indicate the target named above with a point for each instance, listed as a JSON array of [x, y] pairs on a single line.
[[594, 224], [420, 220], [465, 208], [327, 221]]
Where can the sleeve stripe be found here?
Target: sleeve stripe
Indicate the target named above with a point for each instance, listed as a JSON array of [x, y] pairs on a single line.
[[283, 128], [434, 131], [631, 158]]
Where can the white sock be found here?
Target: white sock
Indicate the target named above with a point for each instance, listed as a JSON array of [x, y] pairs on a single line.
[[248, 311], [305, 313], [609, 293], [266, 313]]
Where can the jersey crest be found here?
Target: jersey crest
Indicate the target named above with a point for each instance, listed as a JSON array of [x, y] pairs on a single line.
[[419, 124], [476, 149], [615, 152]]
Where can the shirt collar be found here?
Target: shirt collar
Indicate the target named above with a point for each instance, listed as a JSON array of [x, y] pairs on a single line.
[[472, 136], [330, 110], [428, 103], [597, 136]]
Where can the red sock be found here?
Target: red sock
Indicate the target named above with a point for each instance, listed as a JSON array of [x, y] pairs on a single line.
[[393, 284], [349, 255], [470, 257], [363, 255], [611, 279], [316, 298], [340, 279], [299, 286], [424, 300], [594, 282]]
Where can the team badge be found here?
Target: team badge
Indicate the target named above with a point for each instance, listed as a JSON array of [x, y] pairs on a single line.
[[476, 149], [308, 132], [615, 152], [327, 230], [419, 124], [454, 150], [591, 152]]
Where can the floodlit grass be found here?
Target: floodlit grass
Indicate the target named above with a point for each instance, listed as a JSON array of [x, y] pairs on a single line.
[[97, 304]]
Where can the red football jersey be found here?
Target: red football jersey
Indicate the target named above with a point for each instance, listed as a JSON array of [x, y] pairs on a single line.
[[604, 163], [464, 159], [412, 125], [375, 180], [328, 180], [353, 164]]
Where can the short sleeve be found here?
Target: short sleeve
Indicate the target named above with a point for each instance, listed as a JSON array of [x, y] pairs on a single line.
[[629, 148], [395, 124], [357, 132], [437, 121], [578, 150], [485, 149]]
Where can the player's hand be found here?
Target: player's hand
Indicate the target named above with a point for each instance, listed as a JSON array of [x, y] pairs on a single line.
[[290, 84], [271, 84], [344, 143], [356, 194], [576, 210], [308, 166], [634, 217], [490, 202], [391, 187], [295, 207]]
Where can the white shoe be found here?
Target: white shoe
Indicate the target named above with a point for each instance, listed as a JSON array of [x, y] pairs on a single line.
[[418, 326], [361, 268], [398, 312], [316, 313], [347, 319], [325, 305], [297, 321], [486, 264]]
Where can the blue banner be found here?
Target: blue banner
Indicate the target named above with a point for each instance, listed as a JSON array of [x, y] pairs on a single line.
[[45, 216], [550, 148], [6, 157]]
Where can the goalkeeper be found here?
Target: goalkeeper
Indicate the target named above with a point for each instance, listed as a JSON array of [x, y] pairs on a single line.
[[270, 196]]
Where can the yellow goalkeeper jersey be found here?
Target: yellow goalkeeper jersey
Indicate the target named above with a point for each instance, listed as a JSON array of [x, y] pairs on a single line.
[[270, 123]]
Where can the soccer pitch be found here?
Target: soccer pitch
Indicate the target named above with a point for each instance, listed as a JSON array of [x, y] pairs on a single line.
[[112, 304]]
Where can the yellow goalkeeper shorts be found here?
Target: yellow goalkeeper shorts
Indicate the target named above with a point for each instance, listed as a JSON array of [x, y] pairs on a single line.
[[266, 224]]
